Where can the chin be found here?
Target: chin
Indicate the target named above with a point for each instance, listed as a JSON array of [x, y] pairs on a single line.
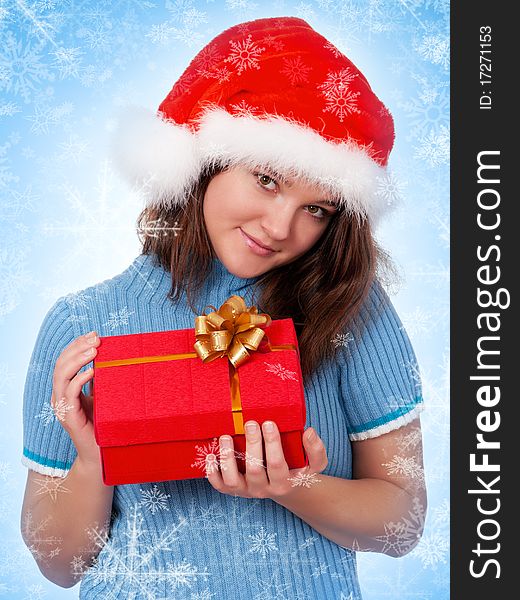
[[241, 267]]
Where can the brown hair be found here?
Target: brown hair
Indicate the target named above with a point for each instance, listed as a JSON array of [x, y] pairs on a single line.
[[321, 290]]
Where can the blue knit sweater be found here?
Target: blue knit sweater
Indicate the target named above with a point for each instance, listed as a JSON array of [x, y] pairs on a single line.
[[184, 539]]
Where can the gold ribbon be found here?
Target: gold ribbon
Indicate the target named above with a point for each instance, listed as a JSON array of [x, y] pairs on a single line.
[[230, 331]]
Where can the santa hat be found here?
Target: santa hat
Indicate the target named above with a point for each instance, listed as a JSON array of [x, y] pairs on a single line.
[[270, 92]]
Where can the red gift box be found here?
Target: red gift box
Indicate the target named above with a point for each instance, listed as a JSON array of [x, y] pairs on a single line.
[[159, 409]]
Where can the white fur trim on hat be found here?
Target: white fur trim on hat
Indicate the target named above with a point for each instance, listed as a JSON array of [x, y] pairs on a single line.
[[165, 158], [155, 155]]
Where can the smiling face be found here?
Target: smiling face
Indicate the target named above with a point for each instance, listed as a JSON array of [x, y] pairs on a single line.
[[247, 210]]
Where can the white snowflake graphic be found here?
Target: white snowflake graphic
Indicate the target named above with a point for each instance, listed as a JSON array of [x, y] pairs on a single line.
[[41, 545], [159, 228], [405, 466], [341, 103], [434, 148], [61, 408], [436, 49], [68, 61], [402, 536], [21, 66], [296, 70], [342, 339], [207, 458], [432, 550], [132, 565], [330, 46], [263, 542], [5, 470], [244, 109], [337, 81], [244, 55], [280, 371], [273, 42], [154, 499], [46, 414], [417, 322], [390, 188], [118, 318], [303, 479], [51, 486]]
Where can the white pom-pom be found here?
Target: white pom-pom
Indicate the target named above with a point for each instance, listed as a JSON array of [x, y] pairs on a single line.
[[155, 155]]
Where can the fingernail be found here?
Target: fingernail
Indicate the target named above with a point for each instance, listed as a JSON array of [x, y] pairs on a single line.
[[89, 352], [250, 427], [225, 442], [311, 435], [269, 426]]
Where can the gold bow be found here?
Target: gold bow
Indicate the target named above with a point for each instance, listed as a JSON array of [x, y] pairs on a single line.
[[231, 330]]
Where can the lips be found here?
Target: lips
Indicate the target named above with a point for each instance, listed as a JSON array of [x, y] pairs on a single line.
[[258, 242]]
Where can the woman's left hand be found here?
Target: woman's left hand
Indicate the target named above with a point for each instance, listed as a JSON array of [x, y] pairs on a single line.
[[273, 480]]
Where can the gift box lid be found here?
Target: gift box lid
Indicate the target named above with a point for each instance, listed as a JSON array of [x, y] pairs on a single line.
[[175, 397]]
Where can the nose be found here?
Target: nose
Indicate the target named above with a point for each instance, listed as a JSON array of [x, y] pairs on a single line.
[[277, 220]]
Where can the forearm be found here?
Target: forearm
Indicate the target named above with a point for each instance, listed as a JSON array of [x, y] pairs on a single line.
[[364, 514], [66, 520]]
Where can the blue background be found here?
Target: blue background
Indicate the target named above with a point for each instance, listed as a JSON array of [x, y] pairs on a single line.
[[67, 222]]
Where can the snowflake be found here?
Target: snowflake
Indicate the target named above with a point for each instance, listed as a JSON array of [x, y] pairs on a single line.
[[321, 569], [333, 49], [244, 109], [273, 42], [154, 499], [337, 82], [403, 536], [118, 318], [405, 466], [280, 371], [35, 591], [250, 460], [434, 148], [47, 414], [436, 49], [410, 441], [158, 227], [390, 188], [8, 109], [341, 103], [131, 565], [304, 479], [244, 54], [263, 542], [36, 538], [68, 62], [207, 59], [207, 457], [6, 176], [51, 486], [441, 514], [20, 66], [432, 549], [296, 70], [342, 339], [61, 408], [204, 595], [160, 34], [417, 322], [5, 470], [74, 149]]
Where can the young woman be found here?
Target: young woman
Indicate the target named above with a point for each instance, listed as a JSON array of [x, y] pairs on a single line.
[[261, 171]]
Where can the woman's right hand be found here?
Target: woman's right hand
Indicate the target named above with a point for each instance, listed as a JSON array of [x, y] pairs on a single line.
[[71, 406]]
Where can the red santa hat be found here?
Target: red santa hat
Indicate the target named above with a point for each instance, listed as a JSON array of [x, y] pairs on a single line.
[[269, 92]]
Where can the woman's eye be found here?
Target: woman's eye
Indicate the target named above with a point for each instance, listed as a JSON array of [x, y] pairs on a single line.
[[264, 180], [316, 215]]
